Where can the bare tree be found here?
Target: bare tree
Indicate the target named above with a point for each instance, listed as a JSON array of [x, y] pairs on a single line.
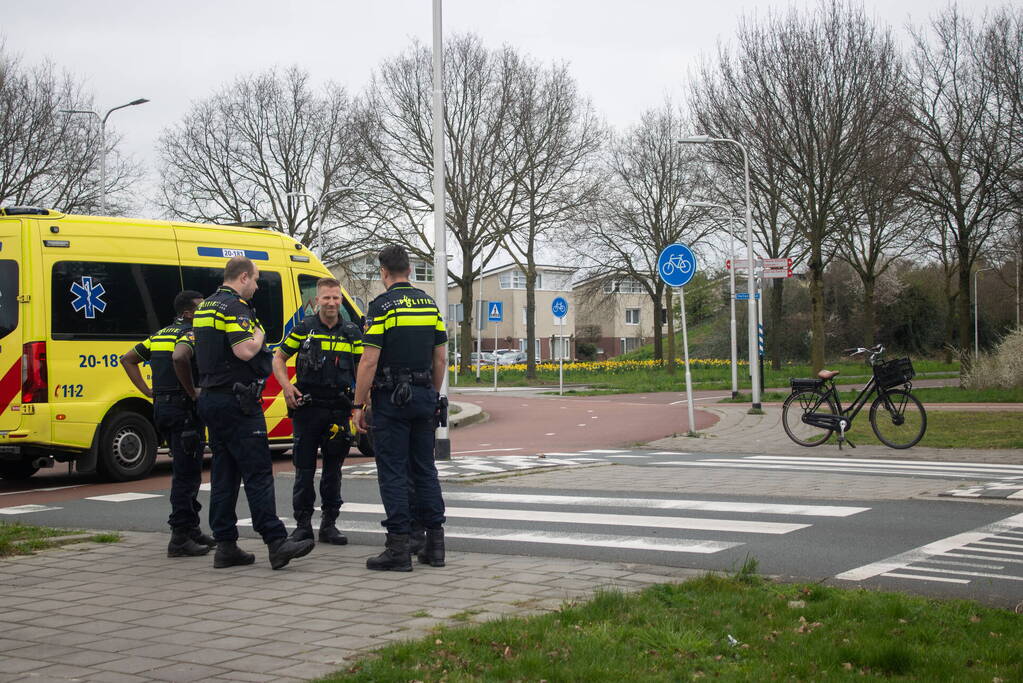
[[648, 179], [964, 152], [821, 88], [551, 141], [396, 156], [236, 155], [49, 158]]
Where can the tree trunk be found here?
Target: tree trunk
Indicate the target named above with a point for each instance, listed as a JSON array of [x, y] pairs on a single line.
[[965, 317], [869, 314], [468, 322], [950, 317], [774, 332], [816, 310], [671, 331], [658, 329], [530, 320]]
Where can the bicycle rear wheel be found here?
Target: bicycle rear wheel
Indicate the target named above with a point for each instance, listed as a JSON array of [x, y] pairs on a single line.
[[799, 403], [898, 419]]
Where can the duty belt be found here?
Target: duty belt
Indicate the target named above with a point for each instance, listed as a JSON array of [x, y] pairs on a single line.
[[392, 377]]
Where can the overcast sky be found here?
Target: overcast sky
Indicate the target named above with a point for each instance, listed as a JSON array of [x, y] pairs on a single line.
[[626, 55]]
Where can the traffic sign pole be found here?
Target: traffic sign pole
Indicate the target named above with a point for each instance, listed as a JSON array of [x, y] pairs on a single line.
[[685, 353], [731, 306], [676, 266]]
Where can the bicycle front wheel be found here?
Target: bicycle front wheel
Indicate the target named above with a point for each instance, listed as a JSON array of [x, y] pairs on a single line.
[[800, 403], [898, 419]]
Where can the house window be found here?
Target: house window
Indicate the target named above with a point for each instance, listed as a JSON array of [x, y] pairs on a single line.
[[525, 318], [559, 348], [631, 316], [664, 316], [631, 343], [557, 282], [423, 272], [513, 279], [610, 287], [366, 268], [630, 287]]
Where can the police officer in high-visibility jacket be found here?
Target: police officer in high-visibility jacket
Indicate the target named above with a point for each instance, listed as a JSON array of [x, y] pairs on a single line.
[[234, 363], [320, 406], [175, 417], [403, 362]]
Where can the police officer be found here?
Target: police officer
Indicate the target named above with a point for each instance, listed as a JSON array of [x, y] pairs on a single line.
[[176, 419], [403, 362], [320, 405], [234, 363]]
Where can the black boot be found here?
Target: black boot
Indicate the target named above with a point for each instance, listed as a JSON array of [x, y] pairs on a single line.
[[229, 555], [329, 533], [417, 539], [395, 558], [302, 532], [284, 550], [182, 545], [196, 534], [433, 553]]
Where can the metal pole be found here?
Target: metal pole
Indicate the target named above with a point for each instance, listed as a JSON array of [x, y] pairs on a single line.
[[976, 312], [442, 450], [753, 320], [496, 325], [760, 324], [731, 305], [479, 330], [103, 166], [685, 351]]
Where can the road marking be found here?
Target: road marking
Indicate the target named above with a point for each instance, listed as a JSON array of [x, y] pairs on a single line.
[[978, 565], [939, 547], [988, 575], [670, 545], [738, 464], [702, 523], [983, 557], [1018, 468], [977, 546], [549, 434], [659, 504], [925, 578], [483, 468], [26, 509], [894, 465], [52, 488], [641, 457], [487, 450], [604, 452], [123, 497], [668, 453]]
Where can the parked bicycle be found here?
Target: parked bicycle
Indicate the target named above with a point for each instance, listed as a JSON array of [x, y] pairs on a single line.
[[813, 411]]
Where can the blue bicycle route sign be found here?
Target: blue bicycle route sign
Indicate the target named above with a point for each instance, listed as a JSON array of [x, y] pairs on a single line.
[[676, 265], [559, 307]]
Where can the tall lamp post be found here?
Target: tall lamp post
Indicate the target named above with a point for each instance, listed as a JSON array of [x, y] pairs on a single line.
[[976, 313], [103, 145], [317, 203], [731, 282], [752, 316], [442, 447]]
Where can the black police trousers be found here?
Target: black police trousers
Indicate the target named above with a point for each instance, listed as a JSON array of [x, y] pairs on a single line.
[[312, 425], [403, 442], [176, 419], [241, 452]]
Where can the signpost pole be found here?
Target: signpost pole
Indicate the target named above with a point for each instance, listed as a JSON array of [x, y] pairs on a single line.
[[685, 352], [496, 325], [479, 330], [456, 353], [561, 362]]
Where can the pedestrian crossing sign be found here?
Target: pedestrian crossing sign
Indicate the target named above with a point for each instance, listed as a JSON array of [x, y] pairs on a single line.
[[495, 311]]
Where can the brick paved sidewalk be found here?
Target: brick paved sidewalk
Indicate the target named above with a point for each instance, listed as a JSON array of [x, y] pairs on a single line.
[[124, 612], [738, 432]]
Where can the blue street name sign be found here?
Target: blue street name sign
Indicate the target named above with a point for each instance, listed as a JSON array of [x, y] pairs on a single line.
[[495, 311], [744, 296], [559, 307], [676, 265]]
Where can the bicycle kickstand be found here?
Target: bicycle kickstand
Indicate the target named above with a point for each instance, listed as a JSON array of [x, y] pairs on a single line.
[[842, 424]]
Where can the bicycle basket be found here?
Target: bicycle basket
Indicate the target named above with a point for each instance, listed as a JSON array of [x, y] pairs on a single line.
[[894, 372], [806, 384]]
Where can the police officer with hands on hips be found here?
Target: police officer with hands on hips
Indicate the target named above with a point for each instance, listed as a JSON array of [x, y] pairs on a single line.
[[404, 360], [175, 417], [234, 363], [320, 405]]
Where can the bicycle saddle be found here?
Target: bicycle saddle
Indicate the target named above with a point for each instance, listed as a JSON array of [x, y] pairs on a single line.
[[828, 374]]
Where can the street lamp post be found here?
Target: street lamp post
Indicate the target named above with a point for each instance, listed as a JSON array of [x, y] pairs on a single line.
[[976, 313], [442, 447], [103, 145], [731, 283], [752, 316], [317, 203]]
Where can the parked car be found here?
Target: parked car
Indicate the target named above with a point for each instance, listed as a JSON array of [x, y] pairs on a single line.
[[513, 358], [488, 358]]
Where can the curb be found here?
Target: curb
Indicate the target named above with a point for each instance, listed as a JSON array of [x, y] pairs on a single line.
[[468, 413]]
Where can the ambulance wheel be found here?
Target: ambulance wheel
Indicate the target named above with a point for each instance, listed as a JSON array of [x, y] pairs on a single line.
[[127, 447], [15, 470], [366, 445]]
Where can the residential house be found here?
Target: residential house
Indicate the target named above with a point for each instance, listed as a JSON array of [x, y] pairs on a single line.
[[360, 276], [614, 313]]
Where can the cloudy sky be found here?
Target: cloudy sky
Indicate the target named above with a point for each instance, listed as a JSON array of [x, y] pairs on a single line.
[[627, 55]]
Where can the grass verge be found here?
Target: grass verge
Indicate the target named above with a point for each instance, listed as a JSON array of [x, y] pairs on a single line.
[[25, 539], [954, 429], [738, 628]]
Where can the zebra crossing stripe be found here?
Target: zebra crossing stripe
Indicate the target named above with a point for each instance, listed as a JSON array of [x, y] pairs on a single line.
[[701, 523], [789, 467], [670, 545], [925, 464], [659, 504], [26, 509]]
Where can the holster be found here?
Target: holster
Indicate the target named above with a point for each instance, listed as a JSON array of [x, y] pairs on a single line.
[[250, 397]]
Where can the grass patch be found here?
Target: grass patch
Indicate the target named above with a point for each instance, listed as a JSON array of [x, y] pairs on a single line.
[[925, 394], [954, 429], [25, 539], [734, 628], [465, 615], [420, 613]]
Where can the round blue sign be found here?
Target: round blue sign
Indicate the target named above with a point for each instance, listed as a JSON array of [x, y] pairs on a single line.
[[559, 307], [676, 265]]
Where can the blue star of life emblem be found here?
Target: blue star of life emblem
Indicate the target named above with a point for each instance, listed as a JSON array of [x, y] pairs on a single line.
[[88, 296]]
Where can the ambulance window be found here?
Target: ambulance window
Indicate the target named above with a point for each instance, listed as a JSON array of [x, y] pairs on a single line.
[[307, 292], [97, 300], [8, 297], [268, 301]]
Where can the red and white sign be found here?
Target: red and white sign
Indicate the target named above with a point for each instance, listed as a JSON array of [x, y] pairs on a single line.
[[777, 263], [776, 273]]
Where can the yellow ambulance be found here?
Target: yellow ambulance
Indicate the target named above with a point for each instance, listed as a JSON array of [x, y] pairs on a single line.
[[78, 291]]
